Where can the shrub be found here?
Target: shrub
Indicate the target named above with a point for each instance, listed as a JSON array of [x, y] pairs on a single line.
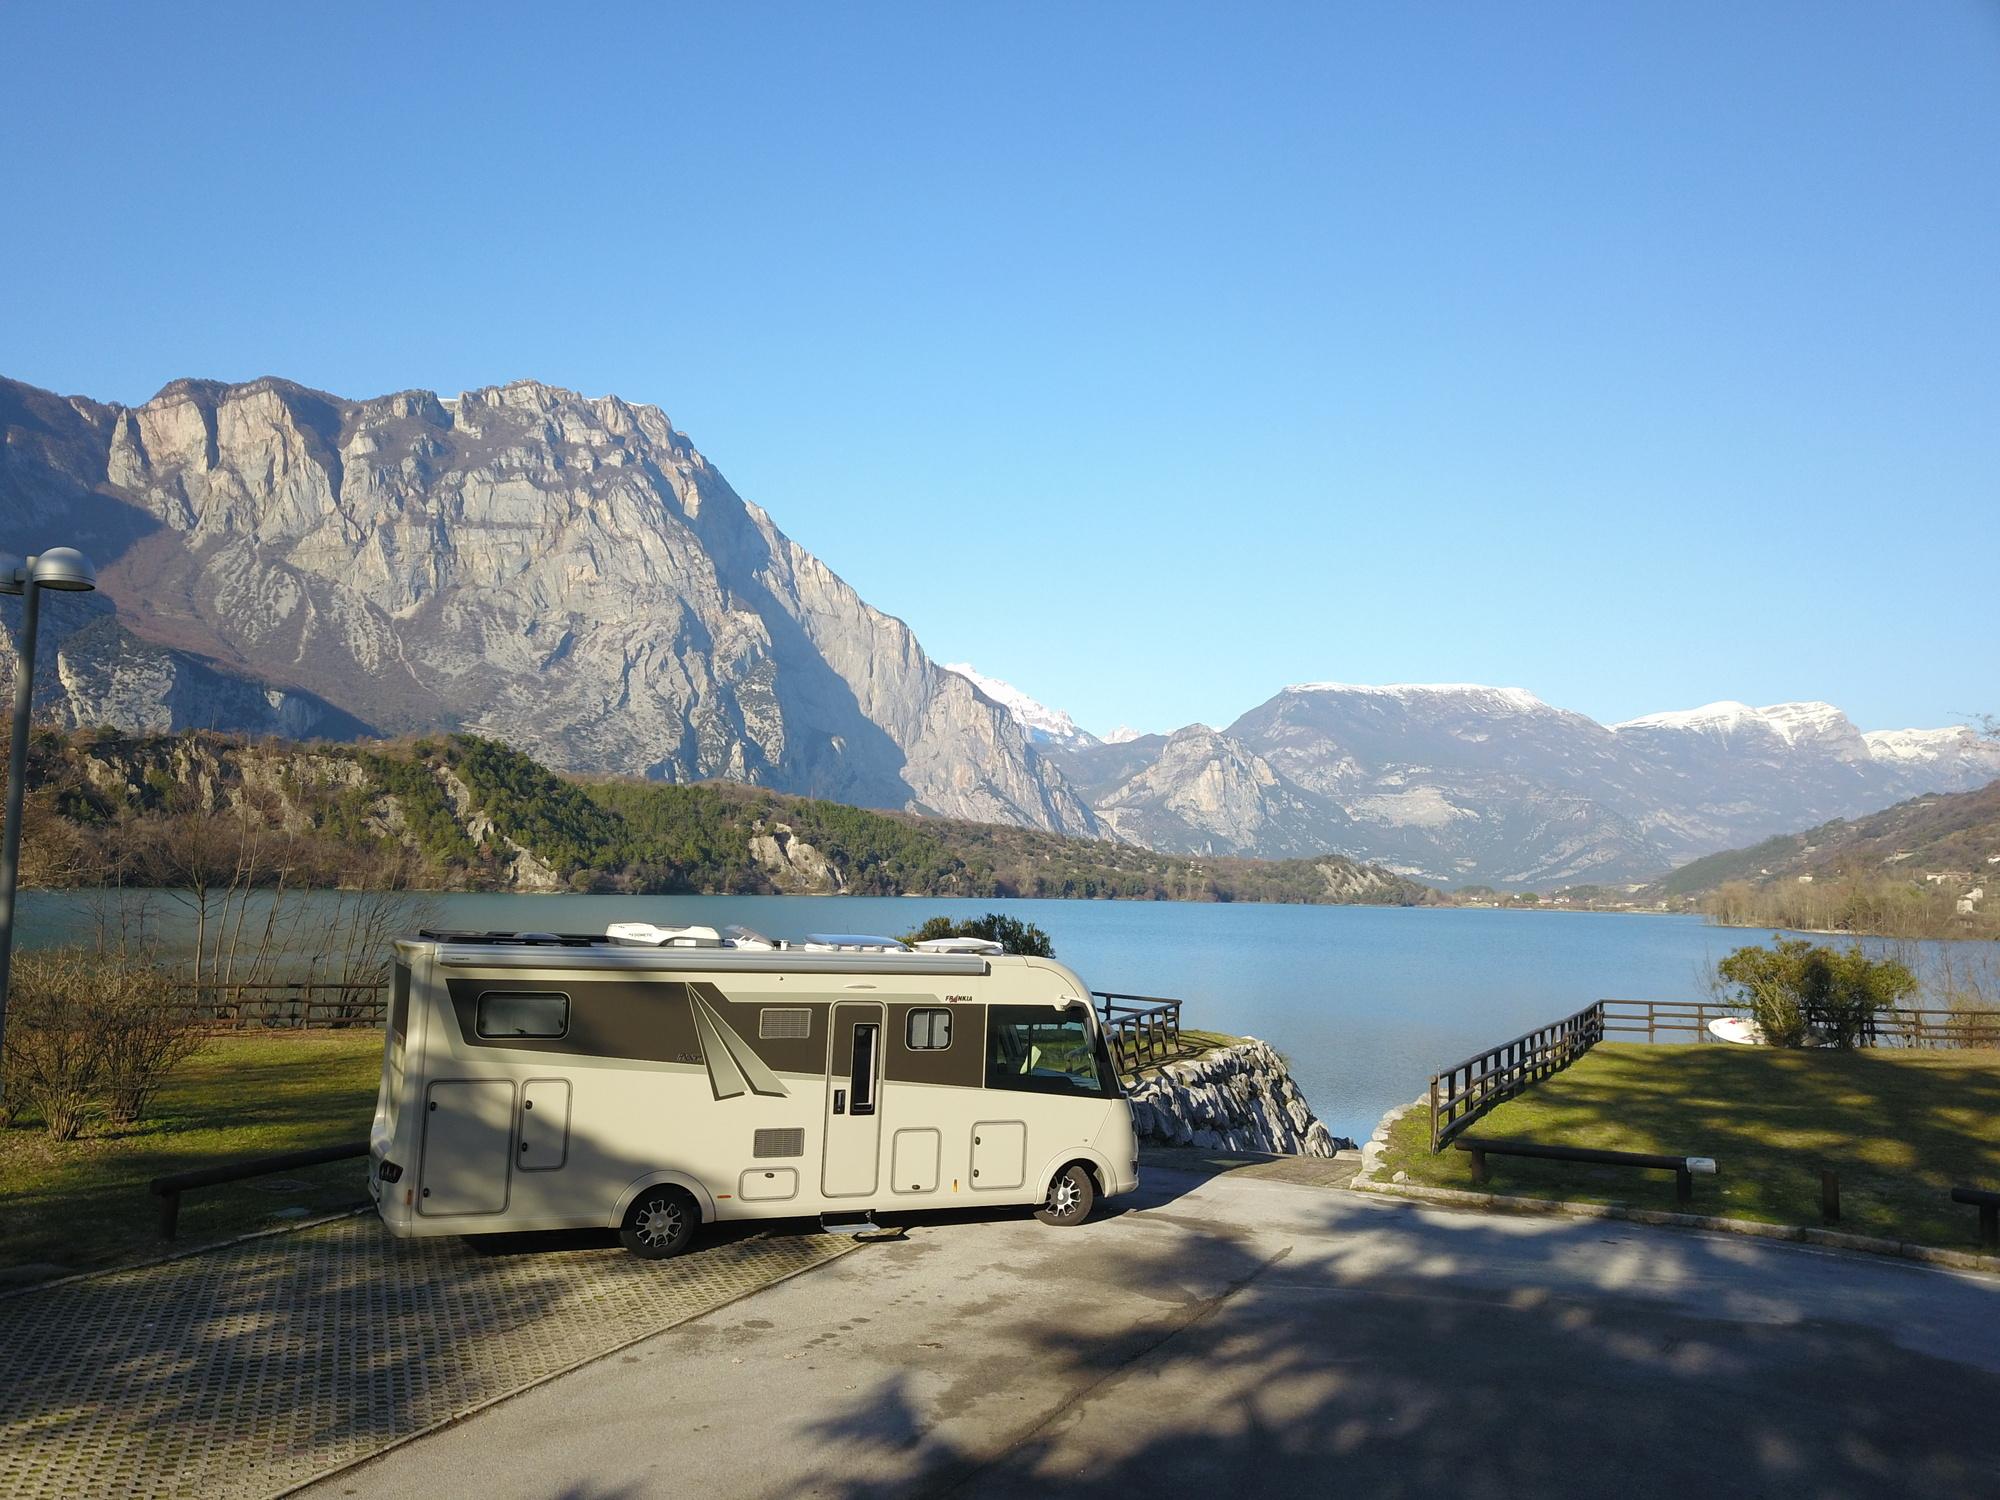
[[56, 1051], [146, 1036], [1012, 934], [1798, 991], [90, 1034]]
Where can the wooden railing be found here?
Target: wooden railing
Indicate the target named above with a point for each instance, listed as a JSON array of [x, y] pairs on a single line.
[[1463, 1092], [1140, 1029], [1687, 1021], [1663, 1020], [296, 1006]]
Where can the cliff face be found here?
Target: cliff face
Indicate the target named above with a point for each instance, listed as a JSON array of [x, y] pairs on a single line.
[[1240, 1098], [566, 574]]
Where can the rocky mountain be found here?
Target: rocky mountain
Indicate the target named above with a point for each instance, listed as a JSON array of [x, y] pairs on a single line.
[[567, 574], [1042, 724], [1460, 783], [1203, 792]]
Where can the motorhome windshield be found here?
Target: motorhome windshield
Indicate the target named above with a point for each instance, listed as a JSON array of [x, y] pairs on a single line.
[[1041, 1051]]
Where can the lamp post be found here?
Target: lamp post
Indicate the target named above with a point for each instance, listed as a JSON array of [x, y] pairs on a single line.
[[68, 570]]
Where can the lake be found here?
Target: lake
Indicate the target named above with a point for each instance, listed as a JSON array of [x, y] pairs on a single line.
[[1366, 1001]]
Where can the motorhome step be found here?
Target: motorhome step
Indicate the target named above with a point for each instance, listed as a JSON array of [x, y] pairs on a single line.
[[861, 1226]]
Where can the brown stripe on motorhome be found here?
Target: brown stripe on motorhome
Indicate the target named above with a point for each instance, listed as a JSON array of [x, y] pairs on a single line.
[[645, 1020], [650, 1020], [781, 1054], [962, 1064]]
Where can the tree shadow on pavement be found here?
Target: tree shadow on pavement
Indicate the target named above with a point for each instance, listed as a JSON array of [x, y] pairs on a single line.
[[1374, 1368]]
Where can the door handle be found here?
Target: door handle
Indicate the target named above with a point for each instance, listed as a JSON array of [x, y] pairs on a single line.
[[840, 1101]]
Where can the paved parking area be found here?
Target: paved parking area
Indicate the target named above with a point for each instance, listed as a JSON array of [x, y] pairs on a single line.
[[245, 1371], [1230, 1334], [1225, 1330]]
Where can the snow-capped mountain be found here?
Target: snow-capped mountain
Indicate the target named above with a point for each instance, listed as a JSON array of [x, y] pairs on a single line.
[[1957, 749], [1124, 734], [1794, 725], [1043, 725], [1462, 783]]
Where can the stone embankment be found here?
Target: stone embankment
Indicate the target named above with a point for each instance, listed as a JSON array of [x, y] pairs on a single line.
[[1240, 1098]]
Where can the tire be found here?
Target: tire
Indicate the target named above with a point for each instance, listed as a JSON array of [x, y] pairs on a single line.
[[660, 1223], [1071, 1197]]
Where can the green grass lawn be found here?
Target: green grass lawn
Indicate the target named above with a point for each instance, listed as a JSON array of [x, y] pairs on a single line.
[[75, 1205], [1901, 1129]]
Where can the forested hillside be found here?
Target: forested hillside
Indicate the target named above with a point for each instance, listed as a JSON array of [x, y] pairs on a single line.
[[1926, 867], [461, 812]]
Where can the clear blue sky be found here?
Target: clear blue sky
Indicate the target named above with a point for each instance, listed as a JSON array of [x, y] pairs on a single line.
[[1149, 356]]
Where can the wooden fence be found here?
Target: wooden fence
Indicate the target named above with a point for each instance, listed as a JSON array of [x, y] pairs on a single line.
[[286, 1006], [1463, 1092], [1687, 1021], [1140, 1029]]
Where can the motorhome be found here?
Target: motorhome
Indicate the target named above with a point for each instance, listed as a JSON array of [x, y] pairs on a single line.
[[650, 1080]]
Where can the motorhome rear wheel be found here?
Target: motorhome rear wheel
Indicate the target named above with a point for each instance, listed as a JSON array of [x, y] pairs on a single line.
[[660, 1223]]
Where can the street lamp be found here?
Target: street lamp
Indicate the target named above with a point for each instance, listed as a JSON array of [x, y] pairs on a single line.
[[67, 570]]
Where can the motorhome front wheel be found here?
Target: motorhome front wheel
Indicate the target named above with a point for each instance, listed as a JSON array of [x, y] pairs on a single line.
[[659, 1223], [1071, 1197]]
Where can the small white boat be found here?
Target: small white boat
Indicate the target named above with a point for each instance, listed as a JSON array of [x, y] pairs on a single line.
[[1737, 1029]]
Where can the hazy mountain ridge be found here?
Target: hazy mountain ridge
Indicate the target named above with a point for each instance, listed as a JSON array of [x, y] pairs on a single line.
[[1460, 783], [566, 573]]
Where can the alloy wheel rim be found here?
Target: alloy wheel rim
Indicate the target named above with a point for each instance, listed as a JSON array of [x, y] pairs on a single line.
[[659, 1223], [1063, 1197]]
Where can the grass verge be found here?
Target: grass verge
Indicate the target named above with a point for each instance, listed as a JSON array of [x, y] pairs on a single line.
[[77, 1205], [1900, 1128]]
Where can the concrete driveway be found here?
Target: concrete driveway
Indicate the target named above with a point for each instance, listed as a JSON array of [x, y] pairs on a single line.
[[1235, 1335]]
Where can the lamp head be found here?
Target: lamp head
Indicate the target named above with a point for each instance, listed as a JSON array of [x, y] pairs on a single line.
[[64, 568], [11, 570]]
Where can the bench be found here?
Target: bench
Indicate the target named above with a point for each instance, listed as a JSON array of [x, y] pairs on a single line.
[[1683, 1167], [169, 1189], [1988, 1203]]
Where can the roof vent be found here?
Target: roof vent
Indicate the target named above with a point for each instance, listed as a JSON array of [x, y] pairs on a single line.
[[646, 935], [959, 945], [852, 942]]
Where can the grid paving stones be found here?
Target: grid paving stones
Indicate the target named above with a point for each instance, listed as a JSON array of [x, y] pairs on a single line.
[[249, 1369]]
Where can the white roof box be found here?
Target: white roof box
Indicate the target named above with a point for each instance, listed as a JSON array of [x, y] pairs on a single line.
[[959, 945], [645, 934]]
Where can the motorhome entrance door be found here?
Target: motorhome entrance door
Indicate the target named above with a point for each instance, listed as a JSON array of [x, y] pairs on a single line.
[[853, 1102]]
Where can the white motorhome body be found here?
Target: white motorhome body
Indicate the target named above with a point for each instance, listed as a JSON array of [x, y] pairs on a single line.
[[534, 1082]]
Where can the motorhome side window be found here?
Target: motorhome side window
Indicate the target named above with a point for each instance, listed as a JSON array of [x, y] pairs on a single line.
[[928, 1030], [504, 1013], [399, 1001], [1042, 1051]]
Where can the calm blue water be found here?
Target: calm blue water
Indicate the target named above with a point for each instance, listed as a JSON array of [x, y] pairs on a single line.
[[1367, 1002]]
